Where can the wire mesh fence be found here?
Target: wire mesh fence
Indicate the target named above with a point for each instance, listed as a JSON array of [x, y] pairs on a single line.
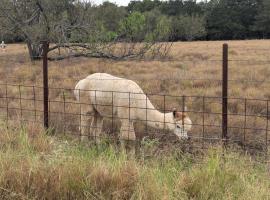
[[101, 118], [22, 100]]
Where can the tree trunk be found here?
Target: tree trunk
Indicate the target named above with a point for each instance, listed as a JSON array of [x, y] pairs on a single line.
[[34, 50]]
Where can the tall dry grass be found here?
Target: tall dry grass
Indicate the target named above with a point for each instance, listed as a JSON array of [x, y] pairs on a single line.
[[36, 166]]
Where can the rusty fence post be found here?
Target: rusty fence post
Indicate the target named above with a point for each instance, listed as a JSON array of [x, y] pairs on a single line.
[[112, 115], [64, 112], [267, 127], [35, 104], [245, 123], [21, 112], [45, 47], [203, 122], [164, 115], [7, 104], [225, 94], [80, 107], [183, 109], [146, 116]]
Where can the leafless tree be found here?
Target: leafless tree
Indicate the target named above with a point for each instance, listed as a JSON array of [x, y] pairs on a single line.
[[71, 24]]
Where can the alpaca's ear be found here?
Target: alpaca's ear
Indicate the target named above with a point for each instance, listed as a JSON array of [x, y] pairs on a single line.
[[174, 112], [179, 115]]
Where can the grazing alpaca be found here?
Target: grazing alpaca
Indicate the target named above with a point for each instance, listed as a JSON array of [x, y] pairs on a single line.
[[3, 45], [103, 95]]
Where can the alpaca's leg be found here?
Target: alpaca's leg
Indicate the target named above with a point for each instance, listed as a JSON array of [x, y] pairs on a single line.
[[132, 139], [87, 117], [87, 124], [98, 128], [84, 129], [93, 127], [127, 135]]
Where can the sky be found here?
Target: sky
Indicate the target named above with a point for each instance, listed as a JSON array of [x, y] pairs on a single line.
[[118, 2]]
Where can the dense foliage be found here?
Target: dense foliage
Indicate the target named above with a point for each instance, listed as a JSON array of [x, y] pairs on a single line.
[[211, 20], [171, 20]]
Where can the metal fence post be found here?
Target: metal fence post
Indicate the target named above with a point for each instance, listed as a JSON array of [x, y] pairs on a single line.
[[45, 46], [245, 123], [164, 115], [21, 113], [225, 94], [80, 107], [7, 104], [112, 115], [267, 126], [64, 112], [35, 104], [183, 109], [203, 121], [146, 117]]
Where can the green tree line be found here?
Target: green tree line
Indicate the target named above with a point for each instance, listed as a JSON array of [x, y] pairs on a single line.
[[171, 20]]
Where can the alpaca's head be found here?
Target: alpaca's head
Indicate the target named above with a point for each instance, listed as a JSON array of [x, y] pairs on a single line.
[[183, 124]]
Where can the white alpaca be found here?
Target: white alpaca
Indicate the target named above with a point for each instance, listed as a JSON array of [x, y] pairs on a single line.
[[3, 45], [98, 92]]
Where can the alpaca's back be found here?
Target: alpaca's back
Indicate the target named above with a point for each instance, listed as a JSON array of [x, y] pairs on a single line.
[[105, 92], [107, 82]]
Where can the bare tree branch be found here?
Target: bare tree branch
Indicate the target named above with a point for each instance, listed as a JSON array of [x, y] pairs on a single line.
[[73, 26]]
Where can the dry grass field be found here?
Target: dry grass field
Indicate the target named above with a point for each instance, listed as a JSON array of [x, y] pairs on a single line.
[[193, 69], [34, 165]]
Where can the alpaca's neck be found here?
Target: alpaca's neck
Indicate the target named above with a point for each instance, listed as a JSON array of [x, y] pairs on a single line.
[[158, 120]]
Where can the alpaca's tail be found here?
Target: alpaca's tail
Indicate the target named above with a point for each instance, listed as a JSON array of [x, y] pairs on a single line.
[[81, 88], [77, 91]]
